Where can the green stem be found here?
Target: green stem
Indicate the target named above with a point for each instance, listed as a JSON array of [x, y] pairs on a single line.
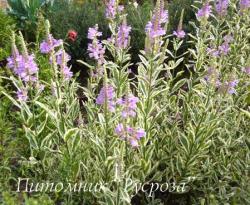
[[106, 121], [147, 102], [33, 94]]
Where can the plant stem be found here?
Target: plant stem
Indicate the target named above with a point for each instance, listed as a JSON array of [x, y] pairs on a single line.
[[106, 121]]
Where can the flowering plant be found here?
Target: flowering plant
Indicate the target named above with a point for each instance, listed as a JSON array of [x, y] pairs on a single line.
[[153, 125]]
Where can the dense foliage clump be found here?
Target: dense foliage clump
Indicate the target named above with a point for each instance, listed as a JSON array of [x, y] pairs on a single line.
[[163, 117]]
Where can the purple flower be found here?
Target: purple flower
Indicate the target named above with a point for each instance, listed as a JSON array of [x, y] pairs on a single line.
[[204, 11], [224, 48], [30, 68], [131, 134], [96, 51], [228, 86], [244, 4], [213, 52], [119, 130], [246, 70], [128, 105], [60, 57], [134, 135], [94, 33], [221, 7], [231, 86], [140, 133], [22, 95], [106, 94], [95, 48], [154, 31], [67, 74], [14, 60], [112, 8], [120, 8], [23, 66], [154, 27], [49, 44], [123, 35], [134, 142], [179, 33]]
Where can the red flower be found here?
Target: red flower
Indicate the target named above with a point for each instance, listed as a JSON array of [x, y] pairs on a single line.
[[72, 35]]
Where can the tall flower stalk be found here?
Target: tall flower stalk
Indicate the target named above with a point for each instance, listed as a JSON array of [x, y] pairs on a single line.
[[156, 28], [180, 33]]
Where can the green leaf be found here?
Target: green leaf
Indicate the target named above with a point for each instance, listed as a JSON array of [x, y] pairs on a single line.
[[12, 100], [70, 133], [246, 113], [51, 113]]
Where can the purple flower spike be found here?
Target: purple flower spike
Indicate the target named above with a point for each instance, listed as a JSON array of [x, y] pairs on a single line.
[[135, 135], [23, 66], [131, 134], [30, 69], [106, 94], [62, 62], [14, 61], [119, 130], [48, 45], [94, 33], [179, 33], [205, 11], [164, 16], [112, 9], [129, 105], [67, 74], [140, 133], [154, 28], [59, 57], [244, 4], [221, 7], [154, 32], [229, 86], [95, 48], [96, 51], [123, 35]]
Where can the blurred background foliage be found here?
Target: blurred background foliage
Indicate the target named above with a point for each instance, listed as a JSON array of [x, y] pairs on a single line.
[[6, 24], [26, 14]]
